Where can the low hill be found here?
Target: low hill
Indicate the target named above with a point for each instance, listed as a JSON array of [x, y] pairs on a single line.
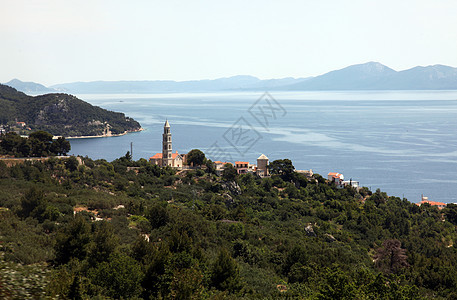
[[61, 114], [29, 87]]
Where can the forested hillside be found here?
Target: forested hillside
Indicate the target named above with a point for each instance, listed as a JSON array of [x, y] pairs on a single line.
[[140, 231], [61, 114]]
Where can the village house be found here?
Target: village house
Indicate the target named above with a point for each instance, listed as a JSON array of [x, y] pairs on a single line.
[[337, 178], [220, 166], [424, 200], [242, 167]]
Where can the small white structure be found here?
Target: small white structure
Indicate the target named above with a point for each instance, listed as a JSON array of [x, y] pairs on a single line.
[[352, 183], [308, 173]]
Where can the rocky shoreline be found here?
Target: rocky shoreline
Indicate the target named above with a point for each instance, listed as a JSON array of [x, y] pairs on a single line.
[[109, 134]]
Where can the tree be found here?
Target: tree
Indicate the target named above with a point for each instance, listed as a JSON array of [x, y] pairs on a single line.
[[391, 257], [104, 242], [31, 201], [210, 168], [282, 167], [73, 240], [158, 216], [121, 276], [337, 286], [195, 157], [128, 156], [229, 172], [60, 146], [9, 143], [24, 148], [41, 143], [450, 211], [225, 273], [71, 163]]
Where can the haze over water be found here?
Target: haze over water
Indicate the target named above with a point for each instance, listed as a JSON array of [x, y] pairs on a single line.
[[403, 142]]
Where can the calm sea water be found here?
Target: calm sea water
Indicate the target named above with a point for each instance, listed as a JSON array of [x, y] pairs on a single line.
[[403, 142]]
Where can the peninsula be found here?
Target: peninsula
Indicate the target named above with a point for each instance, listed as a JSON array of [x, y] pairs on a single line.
[[60, 114]]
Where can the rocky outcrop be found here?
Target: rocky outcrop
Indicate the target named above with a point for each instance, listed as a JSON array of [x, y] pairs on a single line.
[[310, 230], [232, 187]]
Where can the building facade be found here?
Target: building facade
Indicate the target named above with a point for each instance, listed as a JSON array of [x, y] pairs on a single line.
[[167, 157]]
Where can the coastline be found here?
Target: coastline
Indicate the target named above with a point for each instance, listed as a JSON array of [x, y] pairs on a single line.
[[102, 135]]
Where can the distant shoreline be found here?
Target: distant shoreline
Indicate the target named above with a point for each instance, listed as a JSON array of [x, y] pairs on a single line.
[[102, 135]]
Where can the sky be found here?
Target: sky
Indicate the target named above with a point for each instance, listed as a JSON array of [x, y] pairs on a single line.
[[59, 41]]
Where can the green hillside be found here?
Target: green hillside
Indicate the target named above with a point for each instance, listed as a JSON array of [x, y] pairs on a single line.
[[195, 235], [61, 114]]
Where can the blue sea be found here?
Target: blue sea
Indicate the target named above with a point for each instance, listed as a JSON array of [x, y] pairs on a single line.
[[403, 142]]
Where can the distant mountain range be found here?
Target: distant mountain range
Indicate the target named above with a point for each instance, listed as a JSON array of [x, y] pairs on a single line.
[[240, 82], [375, 76], [367, 76]]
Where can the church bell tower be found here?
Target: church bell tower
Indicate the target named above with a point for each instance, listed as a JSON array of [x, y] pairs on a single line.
[[166, 146]]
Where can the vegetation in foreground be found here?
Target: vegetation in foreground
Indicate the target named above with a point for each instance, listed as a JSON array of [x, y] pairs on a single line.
[[194, 235]]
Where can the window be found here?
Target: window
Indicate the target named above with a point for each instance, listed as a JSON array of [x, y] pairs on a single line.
[[169, 147]]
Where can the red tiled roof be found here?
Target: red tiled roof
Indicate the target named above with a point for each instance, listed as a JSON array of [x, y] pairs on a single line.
[[241, 162], [335, 175], [433, 202], [159, 155], [156, 156]]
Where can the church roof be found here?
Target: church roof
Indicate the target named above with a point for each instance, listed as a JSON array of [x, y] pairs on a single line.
[[263, 156], [166, 124], [159, 155]]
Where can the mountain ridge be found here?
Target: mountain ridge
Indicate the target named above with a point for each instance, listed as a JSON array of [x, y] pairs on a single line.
[[366, 76]]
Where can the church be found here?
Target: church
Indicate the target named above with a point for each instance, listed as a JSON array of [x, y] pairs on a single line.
[[167, 157]]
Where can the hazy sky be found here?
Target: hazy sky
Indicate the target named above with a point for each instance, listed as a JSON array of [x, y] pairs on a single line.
[[56, 41]]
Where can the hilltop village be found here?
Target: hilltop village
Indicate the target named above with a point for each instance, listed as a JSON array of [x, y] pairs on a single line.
[[179, 161]]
